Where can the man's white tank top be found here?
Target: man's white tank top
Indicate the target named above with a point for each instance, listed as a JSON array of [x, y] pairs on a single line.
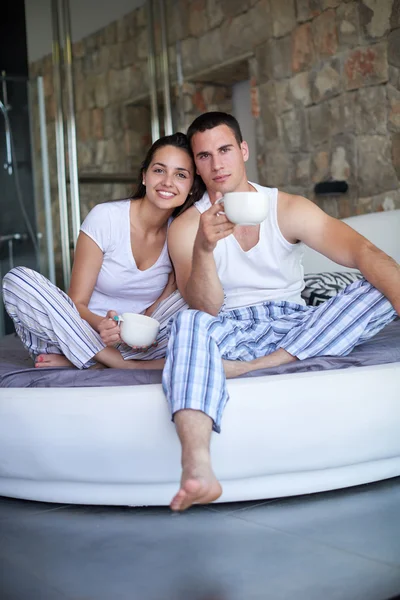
[[270, 271]]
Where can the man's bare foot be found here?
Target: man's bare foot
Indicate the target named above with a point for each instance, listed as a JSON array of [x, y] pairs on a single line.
[[196, 490], [235, 368], [52, 360]]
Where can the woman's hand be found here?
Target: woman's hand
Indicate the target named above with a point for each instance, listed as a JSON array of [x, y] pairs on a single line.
[[144, 348], [109, 329]]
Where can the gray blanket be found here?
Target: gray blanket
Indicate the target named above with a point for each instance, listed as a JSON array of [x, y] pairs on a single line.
[[17, 370]]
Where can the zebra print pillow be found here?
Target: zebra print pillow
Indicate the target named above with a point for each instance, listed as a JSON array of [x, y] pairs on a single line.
[[320, 287]]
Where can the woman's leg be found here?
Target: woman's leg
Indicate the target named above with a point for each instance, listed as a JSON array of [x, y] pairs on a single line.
[[46, 319], [48, 323]]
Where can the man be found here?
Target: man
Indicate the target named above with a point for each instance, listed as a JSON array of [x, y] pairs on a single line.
[[244, 283]]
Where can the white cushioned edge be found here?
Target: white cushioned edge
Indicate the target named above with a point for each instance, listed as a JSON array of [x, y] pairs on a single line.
[[299, 434], [382, 229]]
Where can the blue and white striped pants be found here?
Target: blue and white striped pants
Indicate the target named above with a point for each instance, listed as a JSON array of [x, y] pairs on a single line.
[[47, 321], [193, 375]]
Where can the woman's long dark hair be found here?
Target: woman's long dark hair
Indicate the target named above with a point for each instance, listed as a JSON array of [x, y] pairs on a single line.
[[178, 140]]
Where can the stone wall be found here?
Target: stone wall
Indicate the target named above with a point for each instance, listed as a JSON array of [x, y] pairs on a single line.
[[328, 84], [325, 92]]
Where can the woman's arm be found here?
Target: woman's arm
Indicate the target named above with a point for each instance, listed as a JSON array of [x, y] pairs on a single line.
[[86, 268]]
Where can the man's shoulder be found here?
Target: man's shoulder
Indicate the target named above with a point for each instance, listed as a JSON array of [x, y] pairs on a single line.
[[288, 201], [190, 216], [185, 226]]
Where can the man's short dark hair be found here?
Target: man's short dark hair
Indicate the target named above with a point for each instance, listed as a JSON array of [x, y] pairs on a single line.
[[209, 120]]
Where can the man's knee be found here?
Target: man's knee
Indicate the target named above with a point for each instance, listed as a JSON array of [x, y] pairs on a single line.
[[187, 318]]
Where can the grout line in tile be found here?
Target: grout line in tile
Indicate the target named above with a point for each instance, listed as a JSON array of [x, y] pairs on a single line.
[[236, 510], [39, 512], [22, 562], [316, 541]]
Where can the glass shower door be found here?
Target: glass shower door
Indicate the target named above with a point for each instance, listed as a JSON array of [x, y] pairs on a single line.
[[19, 242]]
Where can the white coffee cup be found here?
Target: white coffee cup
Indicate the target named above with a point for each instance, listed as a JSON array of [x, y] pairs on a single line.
[[138, 330], [245, 208]]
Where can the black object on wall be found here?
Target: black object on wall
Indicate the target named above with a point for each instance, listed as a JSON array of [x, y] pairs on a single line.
[[331, 188], [14, 64]]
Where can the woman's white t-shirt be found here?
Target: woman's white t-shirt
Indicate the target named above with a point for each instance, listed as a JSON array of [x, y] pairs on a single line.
[[120, 285]]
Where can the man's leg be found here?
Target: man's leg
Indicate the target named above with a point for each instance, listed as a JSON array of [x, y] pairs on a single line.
[[335, 327], [198, 483], [332, 329], [235, 368], [195, 386]]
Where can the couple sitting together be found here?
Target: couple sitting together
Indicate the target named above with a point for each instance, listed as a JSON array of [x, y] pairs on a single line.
[[228, 297]]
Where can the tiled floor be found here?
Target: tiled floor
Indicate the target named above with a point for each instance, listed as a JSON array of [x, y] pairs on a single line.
[[342, 545]]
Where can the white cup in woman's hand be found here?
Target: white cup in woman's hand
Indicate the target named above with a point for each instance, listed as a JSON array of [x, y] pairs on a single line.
[[138, 330]]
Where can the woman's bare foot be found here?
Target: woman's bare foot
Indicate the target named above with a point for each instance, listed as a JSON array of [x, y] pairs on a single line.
[[98, 366], [196, 488], [52, 360], [59, 360]]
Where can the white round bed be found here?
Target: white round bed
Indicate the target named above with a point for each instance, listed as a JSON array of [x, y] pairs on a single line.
[[282, 435]]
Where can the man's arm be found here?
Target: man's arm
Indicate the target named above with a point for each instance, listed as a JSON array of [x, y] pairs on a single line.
[[300, 219], [191, 241], [169, 289]]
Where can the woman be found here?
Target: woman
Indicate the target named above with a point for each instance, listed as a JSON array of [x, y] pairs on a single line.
[[121, 265]]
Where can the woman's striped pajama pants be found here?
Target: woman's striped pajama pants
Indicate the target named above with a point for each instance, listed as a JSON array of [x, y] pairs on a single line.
[[47, 321]]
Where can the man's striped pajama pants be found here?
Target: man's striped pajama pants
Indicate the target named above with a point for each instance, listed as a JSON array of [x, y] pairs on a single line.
[[193, 376]]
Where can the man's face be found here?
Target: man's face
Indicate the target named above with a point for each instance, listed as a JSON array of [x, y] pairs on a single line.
[[220, 160]]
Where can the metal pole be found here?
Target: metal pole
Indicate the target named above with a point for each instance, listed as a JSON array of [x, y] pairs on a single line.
[[71, 125], [168, 129], [59, 126], [38, 249], [155, 121], [10, 254], [46, 182], [179, 77], [7, 165], [2, 310]]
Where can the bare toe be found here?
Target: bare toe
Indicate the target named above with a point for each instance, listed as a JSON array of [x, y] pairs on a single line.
[[52, 360], [196, 491]]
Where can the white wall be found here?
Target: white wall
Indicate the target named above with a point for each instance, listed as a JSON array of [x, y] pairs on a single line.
[[241, 104], [87, 16]]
